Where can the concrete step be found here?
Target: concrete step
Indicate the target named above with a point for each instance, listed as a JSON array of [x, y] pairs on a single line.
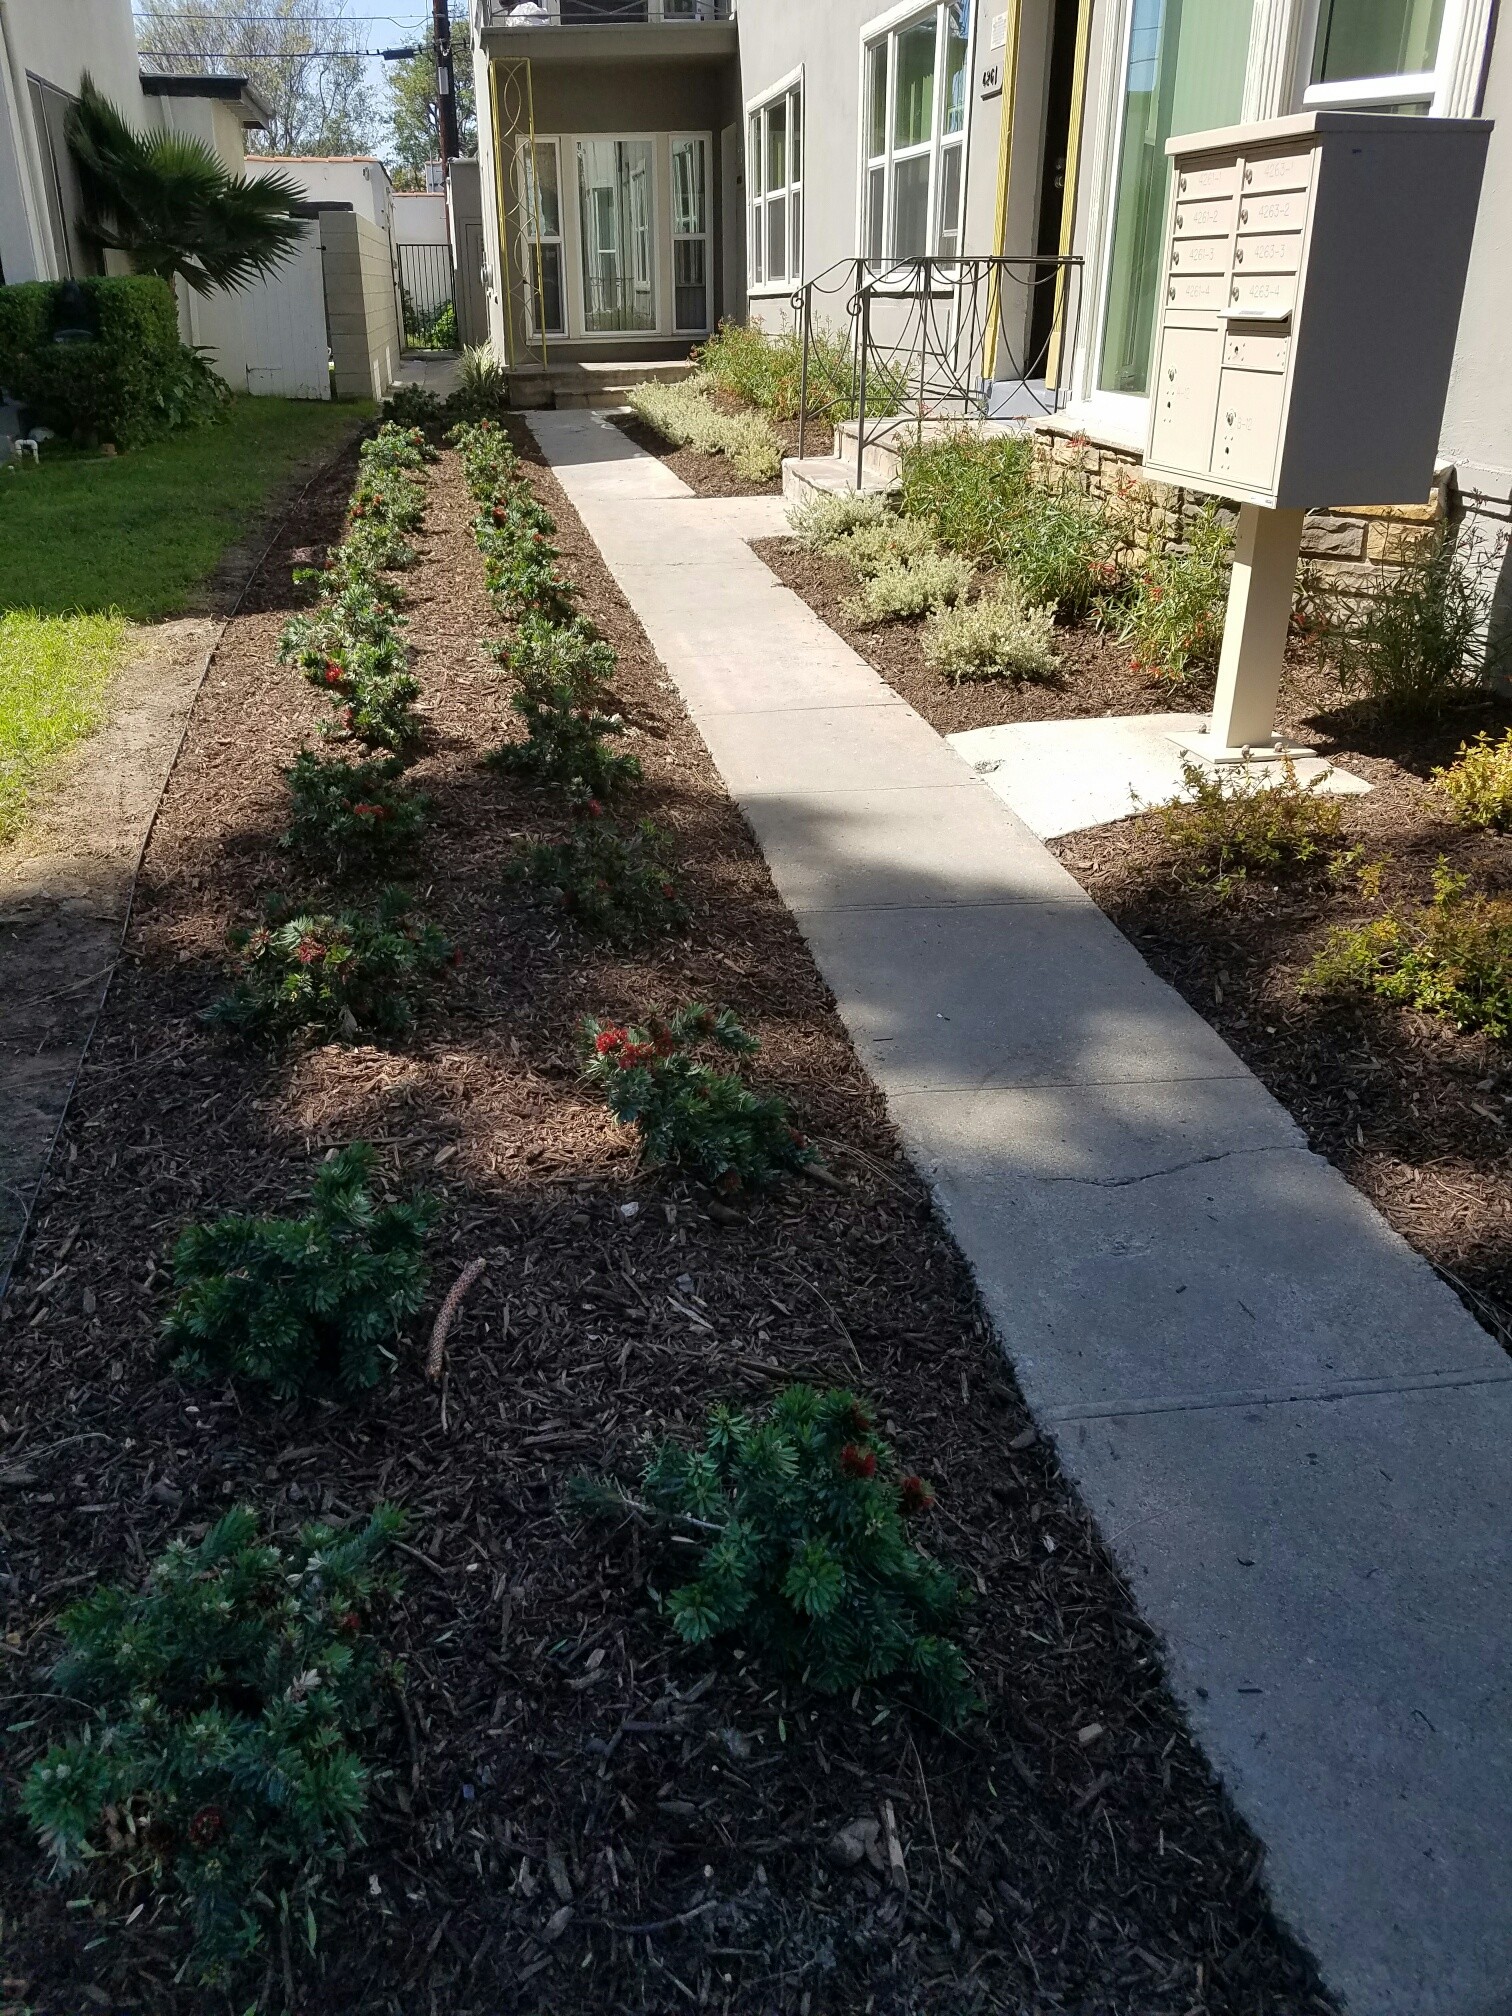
[[824, 476], [534, 388]]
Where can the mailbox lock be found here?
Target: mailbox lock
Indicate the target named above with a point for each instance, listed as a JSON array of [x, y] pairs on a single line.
[[1239, 256], [1171, 293], [1249, 176], [1233, 293], [1180, 220], [1244, 215], [1183, 185], [1228, 419], [1175, 258], [1171, 374]]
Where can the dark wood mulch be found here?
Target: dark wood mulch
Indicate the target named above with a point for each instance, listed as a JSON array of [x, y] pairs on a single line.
[[1417, 1115], [575, 1814]]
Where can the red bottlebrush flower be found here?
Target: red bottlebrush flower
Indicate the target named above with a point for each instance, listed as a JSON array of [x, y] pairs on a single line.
[[595, 810], [349, 1622], [668, 890], [368, 812], [206, 1827], [348, 716], [602, 886], [499, 514], [333, 673], [359, 511], [310, 949], [729, 1182], [914, 1496], [608, 1041], [857, 1462], [859, 1419], [456, 955], [800, 1140]]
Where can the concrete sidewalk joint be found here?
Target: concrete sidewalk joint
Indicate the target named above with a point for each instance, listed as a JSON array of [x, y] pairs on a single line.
[[1292, 1434]]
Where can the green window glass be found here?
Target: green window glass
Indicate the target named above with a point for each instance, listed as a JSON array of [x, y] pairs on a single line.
[[876, 125], [913, 104], [1376, 38], [957, 26], [1185, 73]]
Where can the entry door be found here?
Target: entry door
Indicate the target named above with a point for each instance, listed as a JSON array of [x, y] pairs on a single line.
[[617, 216]]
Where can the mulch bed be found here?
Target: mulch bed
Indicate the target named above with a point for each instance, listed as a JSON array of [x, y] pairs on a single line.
[[1415, 1114], [578, 1814]]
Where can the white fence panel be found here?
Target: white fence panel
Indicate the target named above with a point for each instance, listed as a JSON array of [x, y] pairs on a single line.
[[284, 327]]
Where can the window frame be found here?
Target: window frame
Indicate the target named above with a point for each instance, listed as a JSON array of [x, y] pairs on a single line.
[[791, 93], [1432, 89], [704, 141], [527, 184], [882, 35]]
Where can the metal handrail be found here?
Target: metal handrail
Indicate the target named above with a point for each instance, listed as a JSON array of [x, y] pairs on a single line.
[[952, 314]]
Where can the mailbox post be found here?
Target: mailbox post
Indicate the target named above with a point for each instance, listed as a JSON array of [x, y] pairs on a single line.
[[1308, 309]]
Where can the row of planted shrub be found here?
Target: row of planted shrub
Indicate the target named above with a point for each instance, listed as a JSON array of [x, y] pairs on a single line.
[[233, 1697]]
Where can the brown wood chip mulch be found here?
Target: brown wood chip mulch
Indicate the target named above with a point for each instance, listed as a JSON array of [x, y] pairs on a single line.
[[574, 1813], [1418, 1116], [715, 475]]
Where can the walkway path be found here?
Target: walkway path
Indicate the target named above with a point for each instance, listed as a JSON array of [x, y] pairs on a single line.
[[1295, 1439]]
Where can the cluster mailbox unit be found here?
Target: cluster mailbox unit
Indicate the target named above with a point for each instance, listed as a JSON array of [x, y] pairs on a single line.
[[1307, 317]]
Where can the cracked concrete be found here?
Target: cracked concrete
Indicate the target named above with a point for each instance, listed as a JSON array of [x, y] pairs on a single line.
[[1292, 1434]]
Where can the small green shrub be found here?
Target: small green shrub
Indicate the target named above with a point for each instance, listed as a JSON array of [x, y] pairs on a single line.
[[1000, 636], [378, 711], [230, 1694], [1419, 645], [869, 550], [1227, 828], [413, 406], [562, 673], [302, 1305], [767, 371], [1062, 550], [132, 383], [615, 883], [907, 588], [1175, 617], [798, 1522], [967, 489], [1478, 784], [1451, 957], [686, 1112], [489, 461], [351, 815], [346, 976], [821, 521], [683, 415]]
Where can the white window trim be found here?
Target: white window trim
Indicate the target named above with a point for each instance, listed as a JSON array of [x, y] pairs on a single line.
[[706, 236], [795, 82], [1276, 72], [883, 27], [525, 180]]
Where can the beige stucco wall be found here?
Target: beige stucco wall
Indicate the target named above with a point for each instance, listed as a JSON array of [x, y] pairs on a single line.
[[361, 317]]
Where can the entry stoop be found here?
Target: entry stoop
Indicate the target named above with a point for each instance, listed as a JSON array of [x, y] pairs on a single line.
[[822, 476], [561, 386]]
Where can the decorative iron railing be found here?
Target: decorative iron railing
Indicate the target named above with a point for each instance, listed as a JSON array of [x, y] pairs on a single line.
[[893, 343]]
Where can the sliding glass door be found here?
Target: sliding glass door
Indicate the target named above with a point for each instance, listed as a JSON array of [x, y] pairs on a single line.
[[616, 182]]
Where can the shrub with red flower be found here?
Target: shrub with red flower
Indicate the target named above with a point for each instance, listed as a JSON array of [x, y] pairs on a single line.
[[348, 817], [687, 1112], [858, 1462], [612, 880]]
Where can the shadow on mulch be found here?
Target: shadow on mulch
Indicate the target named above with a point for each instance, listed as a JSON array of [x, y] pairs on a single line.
[[576, 1813]]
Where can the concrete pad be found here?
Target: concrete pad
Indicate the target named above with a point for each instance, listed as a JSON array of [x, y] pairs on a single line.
[[1157, 1245], [1328, 1581], [833, 749], [1063, 776], [944, 999], [947, 844]]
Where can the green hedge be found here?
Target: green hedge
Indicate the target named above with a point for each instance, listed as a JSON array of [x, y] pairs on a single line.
[[136, 379]]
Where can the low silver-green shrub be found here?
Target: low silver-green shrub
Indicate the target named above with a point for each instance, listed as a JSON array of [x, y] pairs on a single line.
[[821, 521], [906, 588], [683, 415], [1001, 636]]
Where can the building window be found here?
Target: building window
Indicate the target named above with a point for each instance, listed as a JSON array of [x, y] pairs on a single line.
[[915, 117], [774, 172], [618, 220], [1381, 54], [1184, 73], [690, 235], [541, 218]]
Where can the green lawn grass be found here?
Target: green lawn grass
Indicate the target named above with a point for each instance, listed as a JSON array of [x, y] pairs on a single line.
[[53, 675], [137, 534]]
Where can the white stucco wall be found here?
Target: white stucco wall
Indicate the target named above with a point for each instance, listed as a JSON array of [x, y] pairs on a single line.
[[419, 219], [356, 179]]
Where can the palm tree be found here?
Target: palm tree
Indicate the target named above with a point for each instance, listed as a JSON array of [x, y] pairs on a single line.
[[168, 203]]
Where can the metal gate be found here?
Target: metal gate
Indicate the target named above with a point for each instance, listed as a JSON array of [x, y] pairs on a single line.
[[427, 296]]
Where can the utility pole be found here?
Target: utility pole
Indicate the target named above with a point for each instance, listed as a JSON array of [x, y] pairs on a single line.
[[446, 84]]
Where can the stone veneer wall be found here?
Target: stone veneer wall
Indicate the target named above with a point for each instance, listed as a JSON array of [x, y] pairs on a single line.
[[1345, 551]]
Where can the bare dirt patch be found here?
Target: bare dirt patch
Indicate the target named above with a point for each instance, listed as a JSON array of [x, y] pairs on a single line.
[[573, 1812]]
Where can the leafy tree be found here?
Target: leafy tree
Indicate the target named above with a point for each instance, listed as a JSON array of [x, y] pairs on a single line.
[[414, 115], [302, 57], [168, 203]]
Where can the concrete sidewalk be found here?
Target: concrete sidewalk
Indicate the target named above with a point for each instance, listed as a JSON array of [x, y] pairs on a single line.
[[1294, 1438]]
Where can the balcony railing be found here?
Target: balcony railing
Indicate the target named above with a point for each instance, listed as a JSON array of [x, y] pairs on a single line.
[[602, 13]]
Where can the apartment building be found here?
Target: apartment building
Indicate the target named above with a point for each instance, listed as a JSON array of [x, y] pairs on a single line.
[[656, 165]]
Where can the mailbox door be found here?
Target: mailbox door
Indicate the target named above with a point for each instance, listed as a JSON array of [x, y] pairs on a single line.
[[1248, 443], [1186, 397]]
